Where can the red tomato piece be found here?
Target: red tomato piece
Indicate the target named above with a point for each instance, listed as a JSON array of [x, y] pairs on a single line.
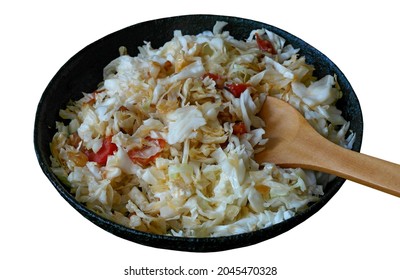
[[108, 148], [239, 128], [265, 45], [219, 80], [236, 89]]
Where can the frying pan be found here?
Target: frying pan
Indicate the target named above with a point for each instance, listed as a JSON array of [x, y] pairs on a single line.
[[83, 72]]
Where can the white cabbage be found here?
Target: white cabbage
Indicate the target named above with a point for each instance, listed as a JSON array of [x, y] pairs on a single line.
[[320, 92], [182, 122], [219, 25], [180, 161]]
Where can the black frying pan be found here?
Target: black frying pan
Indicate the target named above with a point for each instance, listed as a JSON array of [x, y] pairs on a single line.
[[83, 72]]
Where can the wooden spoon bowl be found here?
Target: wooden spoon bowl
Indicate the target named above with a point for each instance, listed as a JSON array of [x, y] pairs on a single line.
[[293, 142]]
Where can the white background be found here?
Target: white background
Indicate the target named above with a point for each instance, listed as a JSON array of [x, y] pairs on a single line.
[[355, 236]]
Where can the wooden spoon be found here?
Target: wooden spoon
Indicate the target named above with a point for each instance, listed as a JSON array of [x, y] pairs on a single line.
[[293, 142]]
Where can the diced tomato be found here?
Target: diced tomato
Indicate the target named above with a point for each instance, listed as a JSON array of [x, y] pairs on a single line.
[[212, 76], [108, 148], [236, 89], [239, 128], [148, 152], [265, 45], [219, 80]]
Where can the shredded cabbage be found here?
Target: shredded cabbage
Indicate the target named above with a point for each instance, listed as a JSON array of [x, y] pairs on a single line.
[[166, 143]]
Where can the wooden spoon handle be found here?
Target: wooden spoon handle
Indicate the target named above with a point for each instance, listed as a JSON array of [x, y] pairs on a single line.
[[364, 169]]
